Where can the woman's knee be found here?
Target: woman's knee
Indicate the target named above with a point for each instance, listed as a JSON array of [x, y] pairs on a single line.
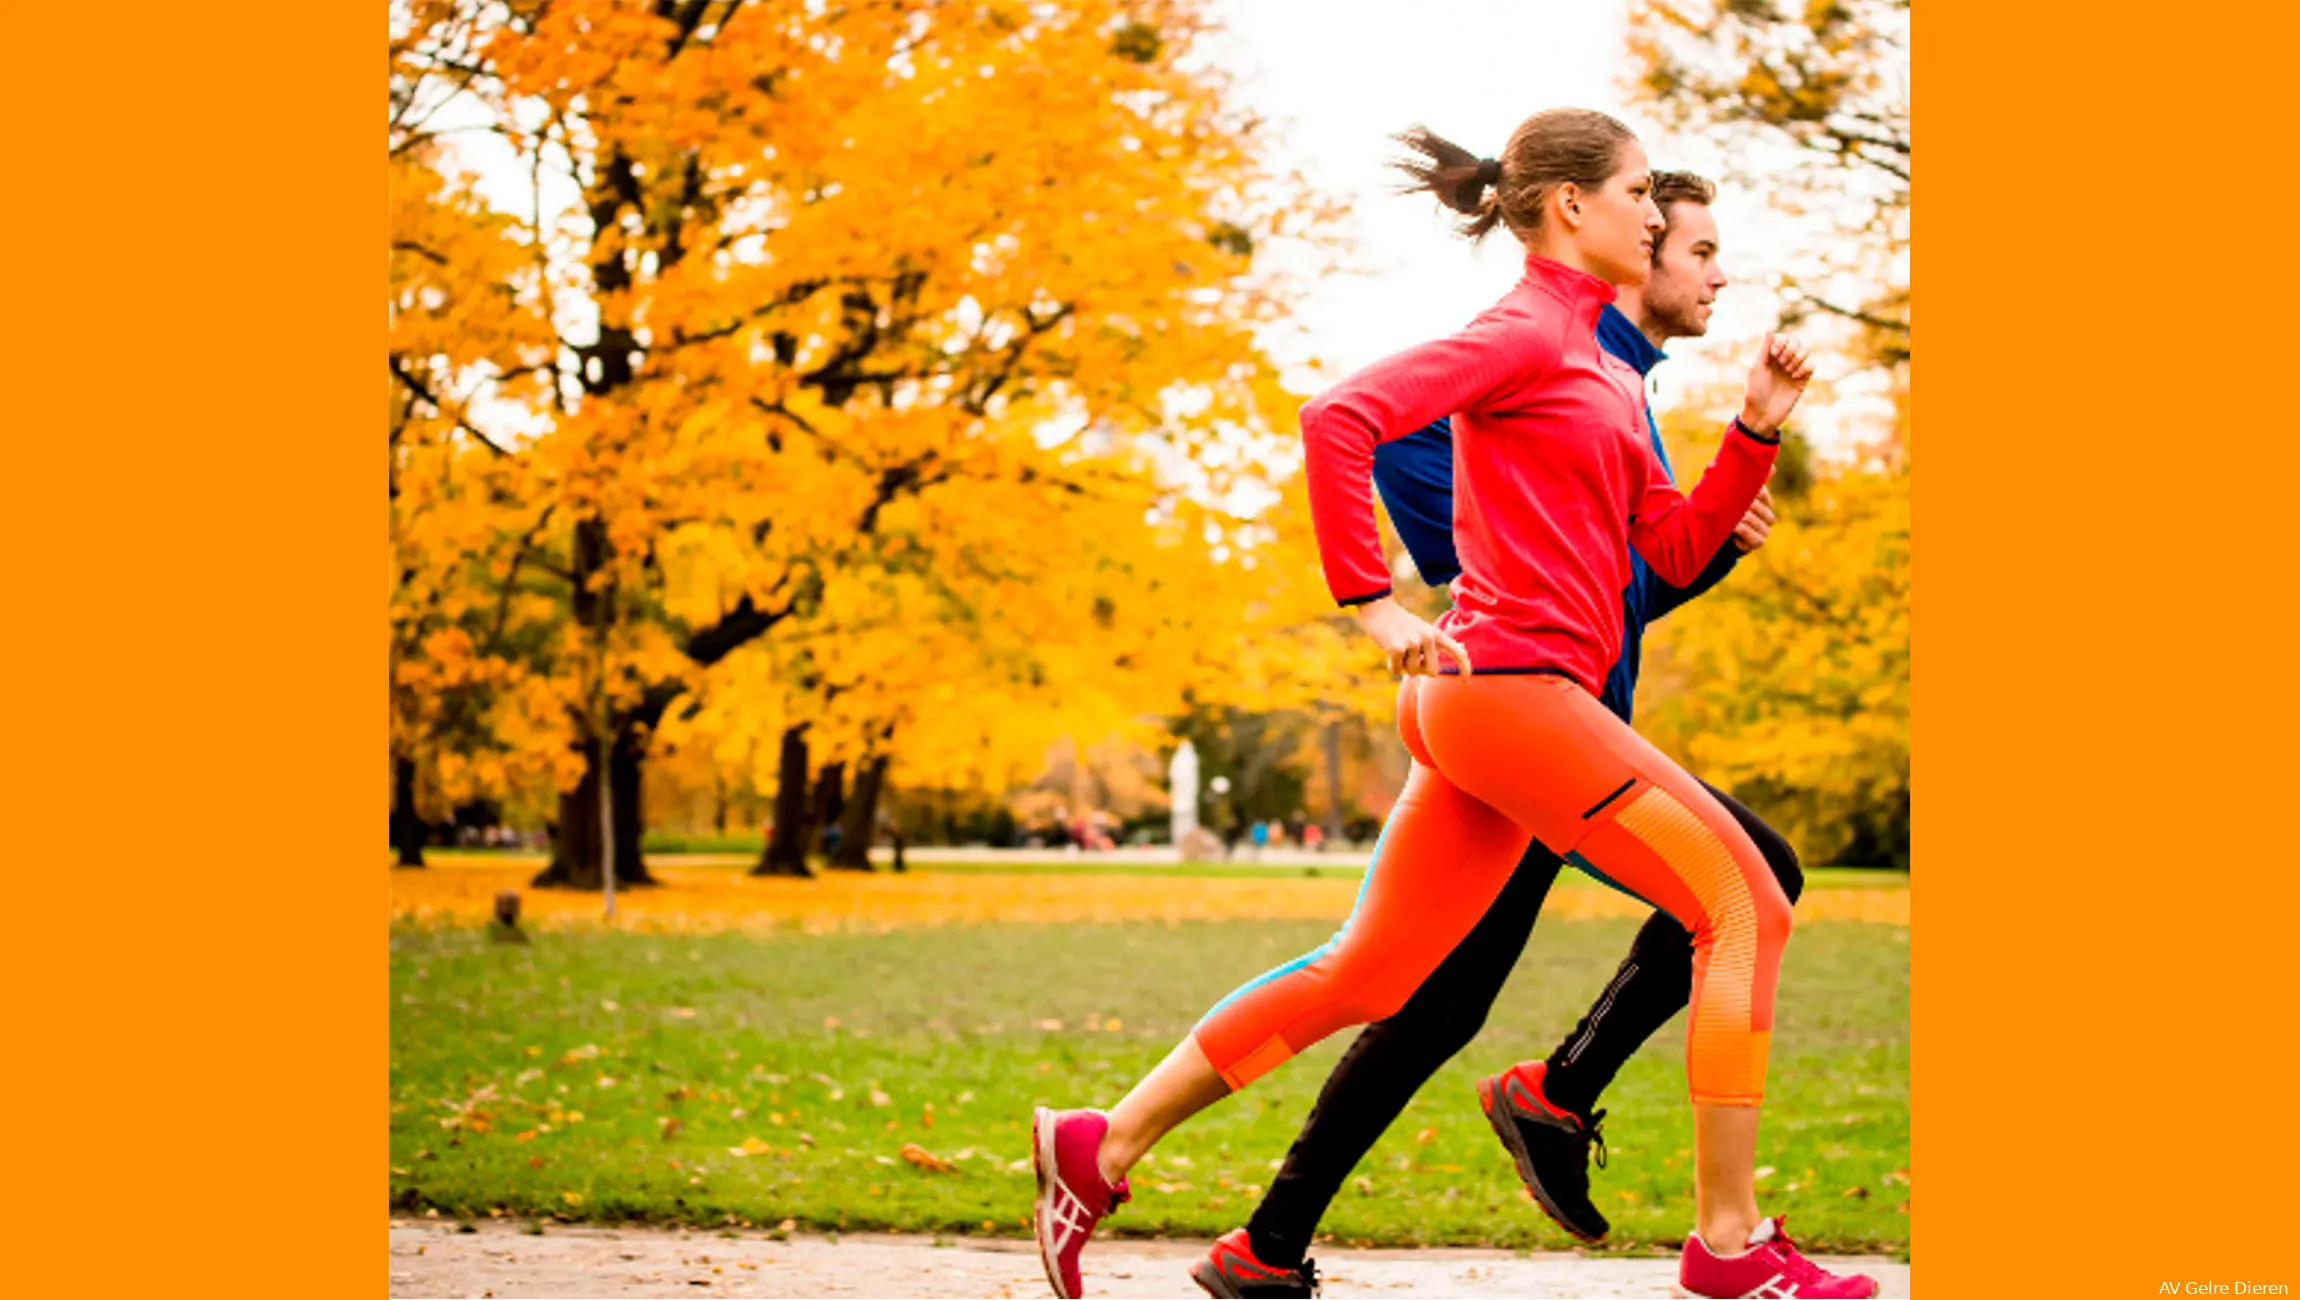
[[1781, 858], [1774, 920]]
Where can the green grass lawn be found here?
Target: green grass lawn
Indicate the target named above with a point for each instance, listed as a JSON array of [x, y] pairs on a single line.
[[607, 1077]]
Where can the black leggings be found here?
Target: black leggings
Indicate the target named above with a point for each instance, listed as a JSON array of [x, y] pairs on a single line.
[[1393, 1058]]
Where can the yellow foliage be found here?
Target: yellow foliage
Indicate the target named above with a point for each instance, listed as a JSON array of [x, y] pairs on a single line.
[[923, 338], [1788, 683]]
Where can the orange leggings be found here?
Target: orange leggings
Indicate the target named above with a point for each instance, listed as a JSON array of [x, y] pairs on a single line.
[[1499, 760]]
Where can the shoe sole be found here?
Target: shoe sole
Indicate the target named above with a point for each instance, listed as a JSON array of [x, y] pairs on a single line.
[[1041, 1160], [1219, 1287], [1497, 1115], [1679, 1291]]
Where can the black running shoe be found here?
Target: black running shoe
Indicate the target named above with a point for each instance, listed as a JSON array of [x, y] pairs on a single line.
[[1551, 1145], [1231, 1272]]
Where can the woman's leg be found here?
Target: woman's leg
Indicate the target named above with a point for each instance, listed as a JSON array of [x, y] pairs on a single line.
[[1442, 859], [1600, 790], [1391, 1060]]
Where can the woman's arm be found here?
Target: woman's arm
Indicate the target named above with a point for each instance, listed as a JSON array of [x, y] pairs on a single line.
[[1678, 534], [1390, 399]]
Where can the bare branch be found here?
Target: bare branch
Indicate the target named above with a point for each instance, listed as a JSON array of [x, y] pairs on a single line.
[[422, 390]]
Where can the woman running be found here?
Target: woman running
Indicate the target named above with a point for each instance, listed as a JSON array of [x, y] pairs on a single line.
[[1554, 484]]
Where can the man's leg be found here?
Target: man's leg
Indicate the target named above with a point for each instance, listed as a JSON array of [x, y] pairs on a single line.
[[1391, 1060], [1651, 986]]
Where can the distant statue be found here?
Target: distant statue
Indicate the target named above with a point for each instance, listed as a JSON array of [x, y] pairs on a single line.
[[1182, 784]]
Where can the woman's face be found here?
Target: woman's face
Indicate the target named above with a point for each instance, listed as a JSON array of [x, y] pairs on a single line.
[[1620, 226]]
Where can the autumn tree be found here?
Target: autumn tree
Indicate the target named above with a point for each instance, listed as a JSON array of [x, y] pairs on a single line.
[[821, 262], [461, 312], [1788, 683]]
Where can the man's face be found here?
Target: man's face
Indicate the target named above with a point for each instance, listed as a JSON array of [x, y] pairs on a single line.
[[1686, 277]]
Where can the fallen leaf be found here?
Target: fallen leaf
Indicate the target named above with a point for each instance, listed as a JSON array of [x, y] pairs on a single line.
[[671, 1126], [1766, 1171], [751, 1147], [878, 1098], [607, 1004], [830, 1022], [1364, 1185], [1050, 1026], [1899, 1176], [572, 1198], [1426, 1136], [681, 1013], [534, 1162], [1856, 1193], [925, 1159], [1113, 1025]]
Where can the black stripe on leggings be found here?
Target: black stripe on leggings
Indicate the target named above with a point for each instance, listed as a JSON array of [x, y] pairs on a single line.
[[1600, 804]]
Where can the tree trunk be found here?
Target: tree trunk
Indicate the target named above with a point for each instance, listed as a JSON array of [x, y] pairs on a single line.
[[406, 826], [830, 800], [1334, 780], [860, 822], [576, 860], [786, 853], [827, 809]]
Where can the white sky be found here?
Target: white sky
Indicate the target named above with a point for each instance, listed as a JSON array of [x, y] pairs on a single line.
[[1338, 78], [1342, 76]]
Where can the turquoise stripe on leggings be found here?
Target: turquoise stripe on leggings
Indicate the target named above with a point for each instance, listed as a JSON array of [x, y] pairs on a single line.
[[1275, 972], [1575, 859]]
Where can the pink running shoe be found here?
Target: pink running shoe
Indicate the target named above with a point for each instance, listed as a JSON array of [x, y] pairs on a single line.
[[1072, 1196], [1770, 1266]]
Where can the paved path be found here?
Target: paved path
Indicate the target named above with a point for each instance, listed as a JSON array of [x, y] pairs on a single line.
[[432, 1258]]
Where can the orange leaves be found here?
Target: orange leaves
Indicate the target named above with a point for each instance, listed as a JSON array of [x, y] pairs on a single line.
[[917, 327], [717, 899], [921, 1158]]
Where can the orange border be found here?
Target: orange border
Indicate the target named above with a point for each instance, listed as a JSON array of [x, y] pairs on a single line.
[[195, 651], [2104, 983], [2103, 979]]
